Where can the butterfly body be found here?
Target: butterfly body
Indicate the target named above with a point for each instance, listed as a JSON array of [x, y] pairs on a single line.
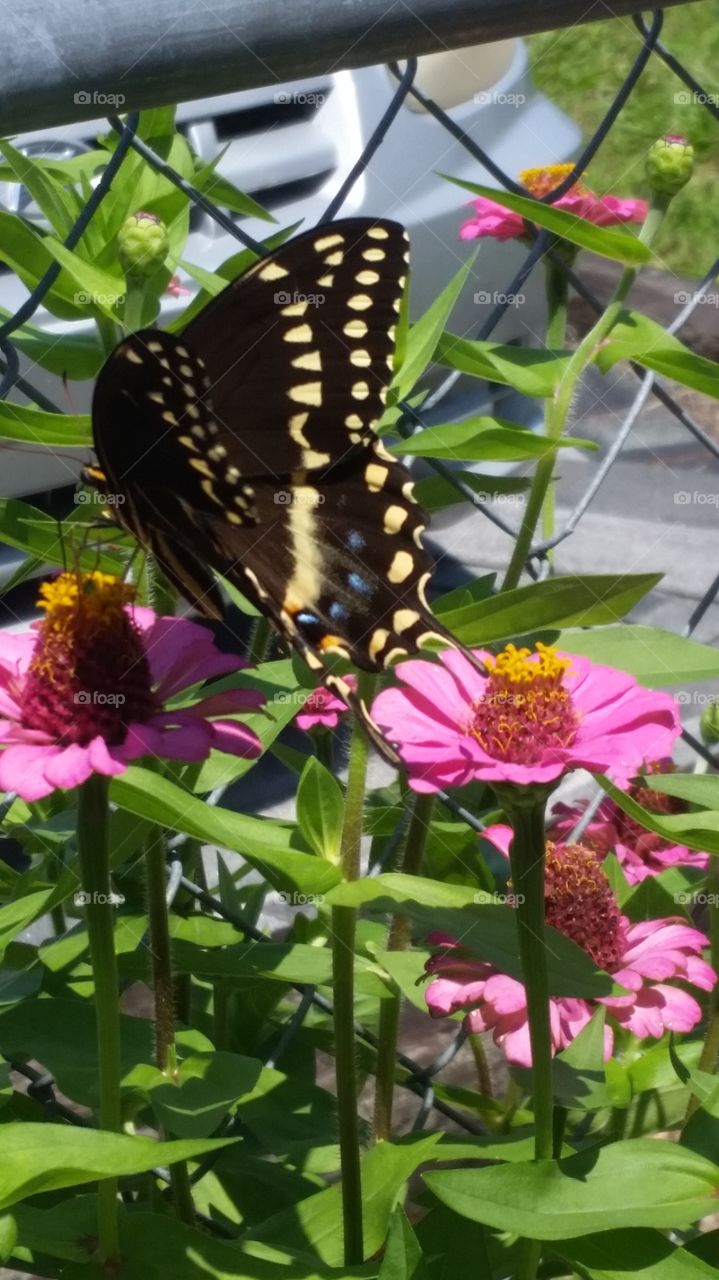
[[246, 445]]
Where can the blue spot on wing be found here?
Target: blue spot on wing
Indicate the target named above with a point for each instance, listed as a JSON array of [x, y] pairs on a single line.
[[306, 618], [337, 611], [355, 540], [358, 583]]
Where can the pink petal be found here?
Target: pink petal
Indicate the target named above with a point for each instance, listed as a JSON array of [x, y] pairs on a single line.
[[234, 738], [500, 835], [69, 768], [22, 769]]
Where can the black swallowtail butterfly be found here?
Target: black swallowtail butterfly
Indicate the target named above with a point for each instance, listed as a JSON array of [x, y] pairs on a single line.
[[246, 445]]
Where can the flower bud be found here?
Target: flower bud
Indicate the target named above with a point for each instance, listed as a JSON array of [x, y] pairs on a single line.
[[670, 164], [709, 724], [142, 244]]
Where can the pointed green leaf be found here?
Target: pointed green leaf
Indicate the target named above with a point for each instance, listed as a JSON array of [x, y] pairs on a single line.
[[532, 370], [638, 1183], [637, 337], [34, 426], [484, 440], [424, 335], [320, 810], [654, 657]]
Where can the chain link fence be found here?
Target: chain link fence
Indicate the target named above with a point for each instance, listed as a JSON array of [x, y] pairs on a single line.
[[413, 1077]]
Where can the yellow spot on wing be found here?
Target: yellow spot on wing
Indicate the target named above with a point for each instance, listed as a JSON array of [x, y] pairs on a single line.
[[375, 477], [355, 328], [326, 242], [394, 518], [367, 276], [300, 333], [298, 422], [359, 302], [401, 567], [133, 356], [404, 619], [307, 393], [378, 233], [295, 309], [308, 360], [377, 642], [272, 271]]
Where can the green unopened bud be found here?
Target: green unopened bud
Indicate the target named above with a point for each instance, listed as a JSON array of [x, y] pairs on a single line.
[[670, 164], [142, 243], [709, 724]]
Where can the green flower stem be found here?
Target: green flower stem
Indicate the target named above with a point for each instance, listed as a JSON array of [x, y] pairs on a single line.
[[135, 291], [557, 290], [322, 743], [390, 1007], [162, 982], [527, 862], [484, 1078], [93, 847], [559, 406], [710, 1048], [344, 924]]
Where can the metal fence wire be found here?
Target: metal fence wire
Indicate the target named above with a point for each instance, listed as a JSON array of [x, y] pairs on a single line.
[[412, 1076]]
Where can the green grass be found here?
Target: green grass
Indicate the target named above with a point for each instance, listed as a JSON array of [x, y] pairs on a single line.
[[581, 70]]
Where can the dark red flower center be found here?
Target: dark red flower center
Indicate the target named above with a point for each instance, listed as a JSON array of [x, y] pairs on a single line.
[[525, 710], [580, 903], [89, 674], [631, 832]]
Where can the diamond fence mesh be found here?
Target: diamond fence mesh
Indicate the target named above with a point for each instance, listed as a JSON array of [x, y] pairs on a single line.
[[412, 1076]]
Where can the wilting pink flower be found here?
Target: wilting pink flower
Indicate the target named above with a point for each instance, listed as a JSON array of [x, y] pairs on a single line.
[[641, 853], [86, 689], [530, 719], [323, 708], [492, 219], [643, 958]]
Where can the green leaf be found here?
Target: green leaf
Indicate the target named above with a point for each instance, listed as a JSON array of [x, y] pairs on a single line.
[[434, 493], [74, 355], [208, 1087], [37, 534], [532, 370], [320, 810], [56, 430], [225, 193], [483, 439], [638, 1183], [641, 1254], [17, 916], [653, 657], [636, 337], [27, 254], [264, 842], [696, 830], [425, 333], [45, 1157], [620, 246], [295, 962], [402, 1255], [487, 929], [317, 1221], [49, 194], [8, 1235], [95, 288], [585, 601]]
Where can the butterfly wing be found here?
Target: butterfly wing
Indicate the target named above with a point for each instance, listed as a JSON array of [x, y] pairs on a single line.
[[246, 446]]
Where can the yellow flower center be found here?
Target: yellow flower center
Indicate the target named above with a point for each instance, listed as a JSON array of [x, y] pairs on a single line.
[[539, 182]]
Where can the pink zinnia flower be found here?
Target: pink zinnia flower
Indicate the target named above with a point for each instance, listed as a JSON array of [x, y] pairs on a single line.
[[86, 689], [533, 717], [323, 708], [580, 904], [641, 853], [493, 219]]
